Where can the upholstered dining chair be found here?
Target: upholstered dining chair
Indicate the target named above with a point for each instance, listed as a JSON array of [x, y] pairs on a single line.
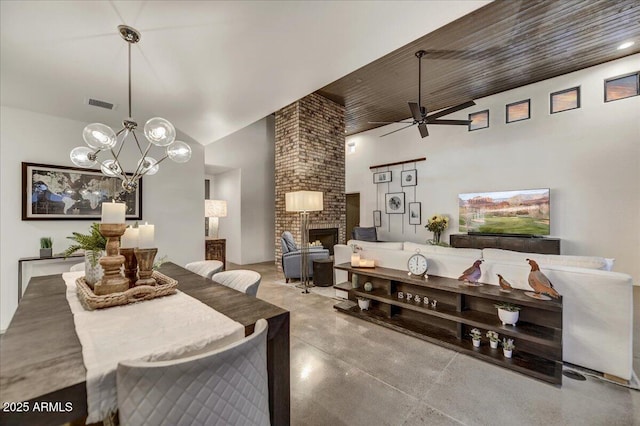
[[228, 386], [239, 279], [205, 268]]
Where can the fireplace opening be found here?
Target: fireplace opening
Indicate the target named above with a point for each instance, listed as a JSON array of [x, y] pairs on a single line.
[[327, 237]]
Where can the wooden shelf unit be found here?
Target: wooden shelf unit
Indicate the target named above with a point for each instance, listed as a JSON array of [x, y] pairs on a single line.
[[537, 335]]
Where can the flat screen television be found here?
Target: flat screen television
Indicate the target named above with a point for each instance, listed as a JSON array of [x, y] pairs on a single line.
[[524, 212]]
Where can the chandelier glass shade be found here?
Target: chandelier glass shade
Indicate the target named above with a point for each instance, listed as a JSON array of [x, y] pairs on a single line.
[[100, 137]]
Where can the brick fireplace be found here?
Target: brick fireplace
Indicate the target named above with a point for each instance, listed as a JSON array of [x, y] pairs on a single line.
[[328, 237], [309, 155]]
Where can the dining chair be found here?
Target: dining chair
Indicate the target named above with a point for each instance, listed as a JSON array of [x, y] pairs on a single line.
[[239, 279], [228, 386], [205, 268]]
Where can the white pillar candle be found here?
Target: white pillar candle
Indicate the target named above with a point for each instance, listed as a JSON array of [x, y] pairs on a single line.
[[355, 260], [113, 212], [130, 238], [145, 236]]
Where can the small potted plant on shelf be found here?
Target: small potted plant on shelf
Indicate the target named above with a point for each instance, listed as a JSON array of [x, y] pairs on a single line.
[[46, 244], [475, 337], [494, 339], [363, 303], [507, 347], [508, 313]]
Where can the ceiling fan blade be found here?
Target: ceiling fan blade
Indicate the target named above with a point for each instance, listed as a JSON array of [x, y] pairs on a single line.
[[450, 122], [397, 130], [415, 111], [450, 110], [389, 122], [423, 130]]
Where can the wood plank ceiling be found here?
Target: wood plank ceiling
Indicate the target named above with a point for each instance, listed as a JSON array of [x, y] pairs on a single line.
[[504, 45]]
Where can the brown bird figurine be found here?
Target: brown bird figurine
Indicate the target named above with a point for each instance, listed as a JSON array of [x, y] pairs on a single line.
[[539, 282], [472, 275], [505, 286]]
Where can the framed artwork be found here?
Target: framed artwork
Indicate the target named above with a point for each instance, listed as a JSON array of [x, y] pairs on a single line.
[[394, 202], [415, 213], [377, 218], [69, 193], [382, 177], [622, 87], [519, 111], [479, 120], [409, 177], [565, 100]]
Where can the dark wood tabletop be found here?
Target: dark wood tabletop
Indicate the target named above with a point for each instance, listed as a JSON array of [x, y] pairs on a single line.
[[41, 356]]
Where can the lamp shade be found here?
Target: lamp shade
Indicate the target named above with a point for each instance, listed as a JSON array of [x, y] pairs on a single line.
[[304, 201], [215, 208]]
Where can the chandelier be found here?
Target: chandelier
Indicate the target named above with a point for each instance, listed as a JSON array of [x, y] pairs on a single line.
[[100, 137]]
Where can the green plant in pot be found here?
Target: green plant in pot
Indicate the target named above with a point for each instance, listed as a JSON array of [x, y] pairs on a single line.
[[508, 313], [93, 245], [46, 247]]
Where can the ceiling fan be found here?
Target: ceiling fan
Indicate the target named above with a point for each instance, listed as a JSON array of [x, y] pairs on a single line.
[[419, 113]]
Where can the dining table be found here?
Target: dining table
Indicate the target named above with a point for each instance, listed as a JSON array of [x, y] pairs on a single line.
[[42, 374]]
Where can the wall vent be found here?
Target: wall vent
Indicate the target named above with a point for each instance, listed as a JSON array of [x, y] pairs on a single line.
[[101, 104]]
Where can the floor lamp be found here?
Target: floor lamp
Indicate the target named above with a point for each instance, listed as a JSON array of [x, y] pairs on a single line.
[[304, 202], [213, 209]]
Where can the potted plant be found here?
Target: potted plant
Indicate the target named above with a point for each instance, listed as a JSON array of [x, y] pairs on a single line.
[[363, 303], [507, 347], [494, 339], [508, 313], [46, 244], [93, 245], [475, 337]]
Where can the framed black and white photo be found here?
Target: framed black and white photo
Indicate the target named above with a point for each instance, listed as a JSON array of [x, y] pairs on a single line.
[[409, 177], [394, 202], [415, 213], [69, 193], [377, 218], [382, 177]]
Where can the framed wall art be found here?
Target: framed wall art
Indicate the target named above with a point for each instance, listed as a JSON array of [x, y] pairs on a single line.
[[622, 87], [519, 111], [69, 193], [479, 120], [409, 177], [382, 177], [415, 214], [564, 100], [377, 218], [394, 202]]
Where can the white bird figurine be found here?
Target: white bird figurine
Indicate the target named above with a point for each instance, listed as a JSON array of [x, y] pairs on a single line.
[[539, 282]]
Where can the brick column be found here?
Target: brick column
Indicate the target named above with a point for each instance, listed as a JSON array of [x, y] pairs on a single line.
[[310, 156]]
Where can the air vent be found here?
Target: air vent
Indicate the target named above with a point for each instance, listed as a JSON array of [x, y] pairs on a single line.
[[101, 104]]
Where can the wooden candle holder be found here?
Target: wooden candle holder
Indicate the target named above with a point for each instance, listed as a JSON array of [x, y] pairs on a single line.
[[145, 259], [130, 265], [112, 281]]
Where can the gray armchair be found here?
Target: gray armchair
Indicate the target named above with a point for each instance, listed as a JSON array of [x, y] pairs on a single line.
[[291, 257]]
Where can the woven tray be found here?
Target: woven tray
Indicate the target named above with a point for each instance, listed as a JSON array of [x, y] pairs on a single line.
[[90, 301]]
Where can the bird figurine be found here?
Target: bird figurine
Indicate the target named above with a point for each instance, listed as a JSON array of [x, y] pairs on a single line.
[[539, 282], [472, 275], [505, 286]]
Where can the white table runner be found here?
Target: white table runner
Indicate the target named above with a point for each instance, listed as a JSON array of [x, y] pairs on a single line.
[[163, 328]]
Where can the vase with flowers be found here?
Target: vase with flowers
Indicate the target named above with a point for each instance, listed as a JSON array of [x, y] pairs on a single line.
[[436, 224]]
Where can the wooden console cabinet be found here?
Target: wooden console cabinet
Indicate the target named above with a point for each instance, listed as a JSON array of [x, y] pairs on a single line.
[[216, 249], [521, 244], [537, 335]]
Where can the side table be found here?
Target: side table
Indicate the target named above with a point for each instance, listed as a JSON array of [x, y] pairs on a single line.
[[323, 272], [216, 249]]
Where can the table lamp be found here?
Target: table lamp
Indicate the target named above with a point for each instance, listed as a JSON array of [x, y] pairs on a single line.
[[304, 202], [213, 209]]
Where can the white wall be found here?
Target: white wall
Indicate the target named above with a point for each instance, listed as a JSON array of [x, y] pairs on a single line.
[[251, 152], [589, 157], [172, 199]]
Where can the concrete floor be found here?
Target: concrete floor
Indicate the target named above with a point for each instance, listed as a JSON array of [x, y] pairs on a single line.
[[345, 371]]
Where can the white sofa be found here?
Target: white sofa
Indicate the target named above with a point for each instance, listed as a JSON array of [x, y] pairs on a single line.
[[597, 303]]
